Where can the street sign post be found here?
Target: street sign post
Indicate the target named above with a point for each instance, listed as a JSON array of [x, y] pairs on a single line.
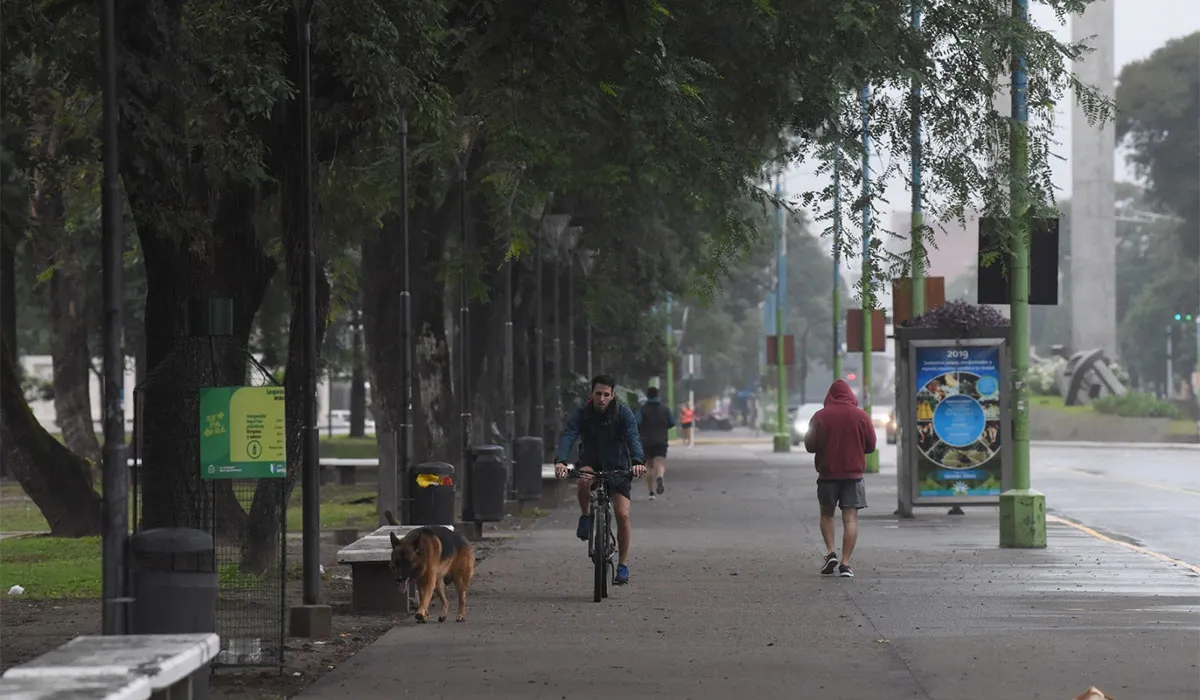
[[242, 433]]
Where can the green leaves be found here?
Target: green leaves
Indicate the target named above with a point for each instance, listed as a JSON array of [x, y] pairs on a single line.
[[961, 58]]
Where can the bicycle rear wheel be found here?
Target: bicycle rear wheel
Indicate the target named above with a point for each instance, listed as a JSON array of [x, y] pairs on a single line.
[[599, 553]]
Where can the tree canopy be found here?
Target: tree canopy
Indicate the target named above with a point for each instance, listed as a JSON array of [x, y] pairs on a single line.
[[648, 126]]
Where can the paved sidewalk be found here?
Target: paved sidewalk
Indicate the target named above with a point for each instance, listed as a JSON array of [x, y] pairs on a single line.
[[726, 601]]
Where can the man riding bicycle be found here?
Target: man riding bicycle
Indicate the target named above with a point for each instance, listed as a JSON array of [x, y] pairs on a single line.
[[608, 440]]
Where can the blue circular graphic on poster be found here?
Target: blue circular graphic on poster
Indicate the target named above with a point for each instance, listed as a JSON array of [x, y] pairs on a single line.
[[958, 420], [986, 386]]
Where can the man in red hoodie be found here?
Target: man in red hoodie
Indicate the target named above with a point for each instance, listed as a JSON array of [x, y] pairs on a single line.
[[840, 435]]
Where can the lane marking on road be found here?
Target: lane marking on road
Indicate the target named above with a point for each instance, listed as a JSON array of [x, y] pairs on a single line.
[[1146, 484], [1105, 538]]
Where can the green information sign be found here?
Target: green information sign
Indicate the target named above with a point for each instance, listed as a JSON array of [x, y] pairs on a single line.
[[242, 433]]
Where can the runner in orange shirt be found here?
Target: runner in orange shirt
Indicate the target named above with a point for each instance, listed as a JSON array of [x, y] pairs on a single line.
[[686, 419]]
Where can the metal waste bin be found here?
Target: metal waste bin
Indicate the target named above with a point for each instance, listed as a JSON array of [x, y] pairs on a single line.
[[527, 468], [487, 476], [431, 490], [175, 586]]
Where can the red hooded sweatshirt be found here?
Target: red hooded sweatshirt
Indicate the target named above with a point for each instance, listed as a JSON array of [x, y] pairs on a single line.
[[840, 434]]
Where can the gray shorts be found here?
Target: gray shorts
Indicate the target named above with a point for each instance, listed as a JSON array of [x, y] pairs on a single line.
[[847, 493]]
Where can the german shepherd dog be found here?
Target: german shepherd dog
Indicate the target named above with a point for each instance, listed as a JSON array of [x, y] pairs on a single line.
[[433, 556]]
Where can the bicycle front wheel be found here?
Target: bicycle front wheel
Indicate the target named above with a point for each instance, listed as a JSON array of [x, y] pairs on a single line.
[[599, 555], [609, 549]]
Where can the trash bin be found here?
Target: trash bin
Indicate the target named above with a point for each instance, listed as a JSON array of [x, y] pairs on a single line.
[[175, 586], [486, 479], [527, 468], [431, 493]]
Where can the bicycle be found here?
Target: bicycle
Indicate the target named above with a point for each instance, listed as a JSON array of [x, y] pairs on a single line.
[[601, 508]]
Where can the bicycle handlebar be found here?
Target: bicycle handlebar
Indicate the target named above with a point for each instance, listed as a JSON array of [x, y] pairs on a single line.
[[578, 473]]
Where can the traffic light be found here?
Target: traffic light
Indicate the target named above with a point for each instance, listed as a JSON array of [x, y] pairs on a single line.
[[851, 376], [1184, 317]]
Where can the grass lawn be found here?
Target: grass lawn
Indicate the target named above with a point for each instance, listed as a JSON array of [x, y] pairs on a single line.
[[17, 512], [1055, 403], [341, 506], [342, 447], [56, 567], [51, 567]]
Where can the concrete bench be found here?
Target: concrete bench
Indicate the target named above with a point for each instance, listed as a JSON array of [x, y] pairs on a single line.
[[133, 667], [348, 469], [372, 584], [100, 687]]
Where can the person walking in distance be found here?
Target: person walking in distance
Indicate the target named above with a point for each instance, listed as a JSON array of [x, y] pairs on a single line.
[[840, 435], [687, 418], [654, 424]]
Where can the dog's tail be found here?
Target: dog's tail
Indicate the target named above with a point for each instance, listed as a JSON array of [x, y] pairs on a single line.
[[391, 519]]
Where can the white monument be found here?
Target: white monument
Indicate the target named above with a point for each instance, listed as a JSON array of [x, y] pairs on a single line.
[[1093, 223]]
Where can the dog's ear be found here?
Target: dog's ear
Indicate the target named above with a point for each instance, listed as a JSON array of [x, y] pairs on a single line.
[[395, 540]]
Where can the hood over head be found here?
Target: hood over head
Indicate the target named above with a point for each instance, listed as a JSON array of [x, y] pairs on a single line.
[[840, 393]]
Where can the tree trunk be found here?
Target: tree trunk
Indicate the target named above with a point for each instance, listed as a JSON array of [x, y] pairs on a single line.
[[57, 480], [198, 242], [8, 312], [72, 361], [8, 290], [434, 420]]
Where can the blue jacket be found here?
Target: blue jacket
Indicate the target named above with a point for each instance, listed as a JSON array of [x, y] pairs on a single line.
[[606, 441]]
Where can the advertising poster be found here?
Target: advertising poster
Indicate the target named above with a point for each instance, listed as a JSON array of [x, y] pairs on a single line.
[[958, 422], [242, 433]]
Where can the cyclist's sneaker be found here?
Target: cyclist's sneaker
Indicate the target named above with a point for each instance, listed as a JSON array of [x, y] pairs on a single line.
[[652, 495], [659, 486], [622, 575], [846, 571], [584, 528], [831, 564]]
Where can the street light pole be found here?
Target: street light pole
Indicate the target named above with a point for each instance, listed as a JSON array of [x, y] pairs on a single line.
[[555, 364], [510, 407], [1022, 510], [670, 379], [116, 469], [464, 312], [917, 261], [868, 293], [404, 451], [837, 261], [539, 350], [310, 477], [571, 320], [783, 438]]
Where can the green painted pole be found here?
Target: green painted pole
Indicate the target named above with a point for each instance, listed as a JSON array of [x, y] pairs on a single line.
[[783, 437], [868, 294], [670, 378], [917, 261], [1022, 510], [837, 262]]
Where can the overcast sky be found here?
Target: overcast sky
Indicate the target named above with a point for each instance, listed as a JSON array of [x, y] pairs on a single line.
[[1141, 26]]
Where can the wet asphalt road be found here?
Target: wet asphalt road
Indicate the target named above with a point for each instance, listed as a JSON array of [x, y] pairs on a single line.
[[1149, 496], [726, 601]]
